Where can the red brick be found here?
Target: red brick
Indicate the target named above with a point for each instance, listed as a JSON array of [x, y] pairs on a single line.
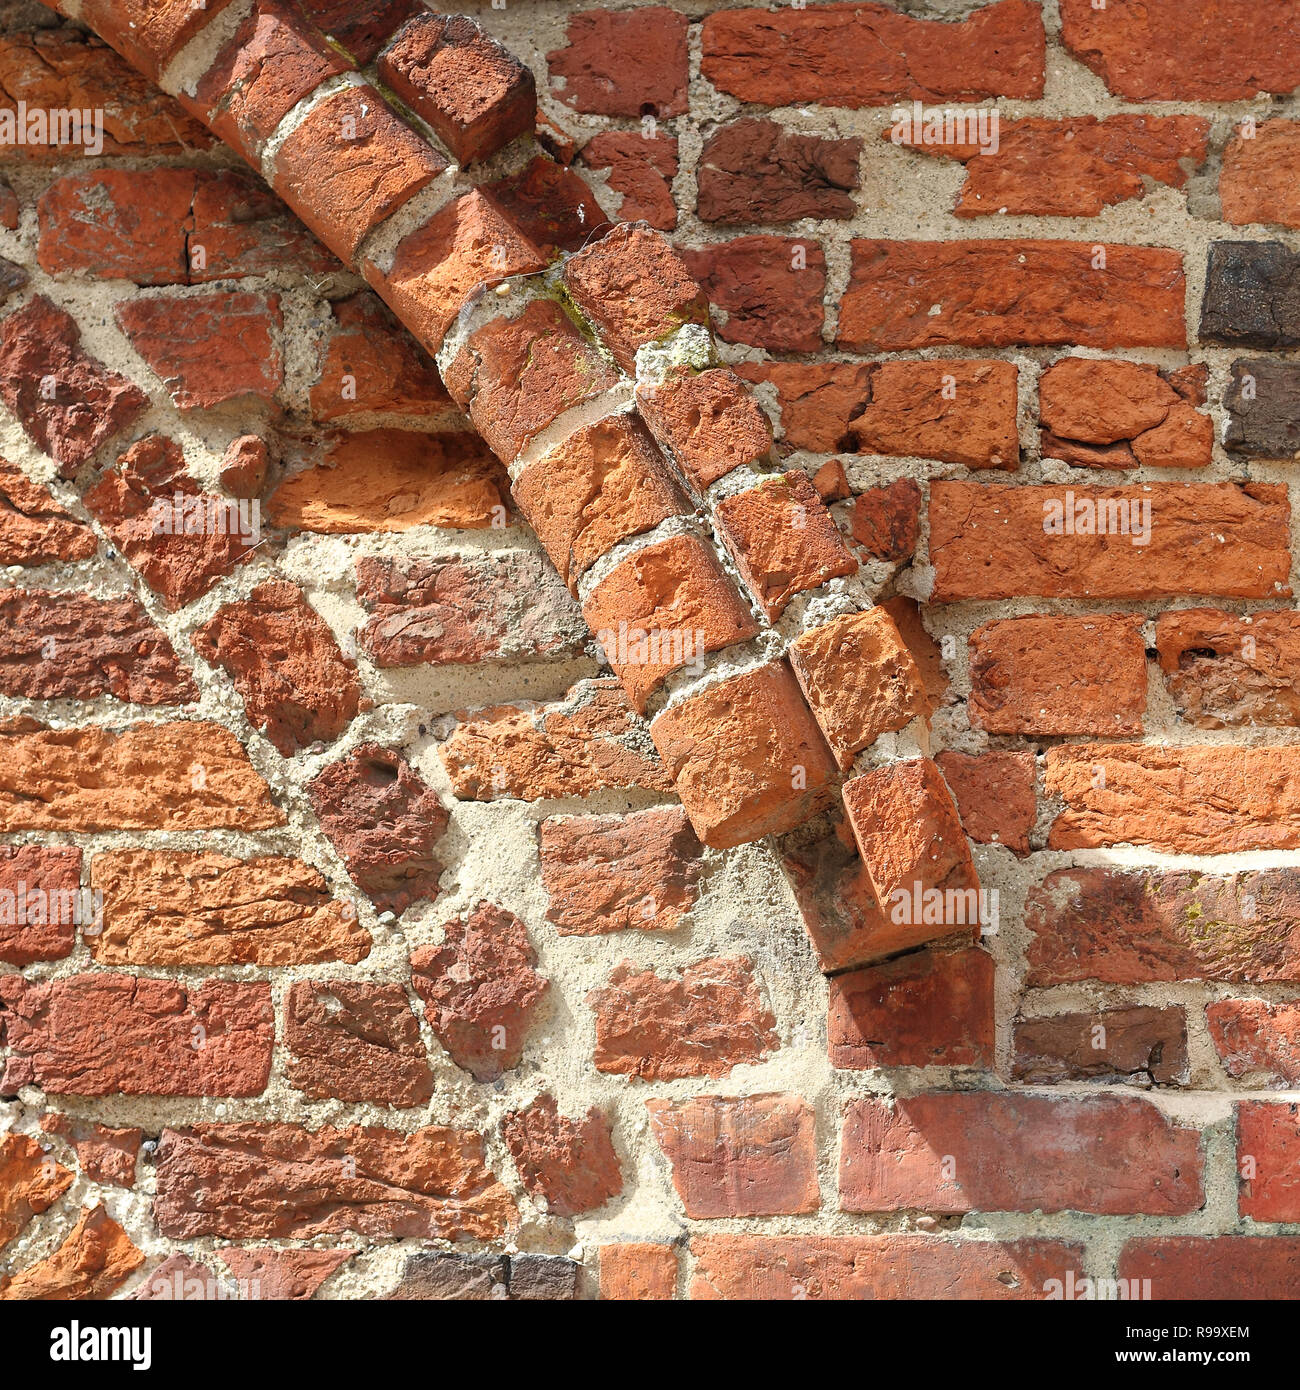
[[1268, 1142], [519, 375], [34, 528], [551, 206], [886, 521], [244, 466], [756, 171], [705, 1022], [1227, 671], [956, 412], [384, 821], [475, 95], [137, 504], [69, 70], [67, 401], [591, 739], [106, 1156], [1191, 799], [40, 903], [870, 55], [1225, 1269], [708, 422], [928, 1009], [1041, 675], [604, 483], [1257, 1039], [569, 1166], [100, 1035], [1257, 183], [638, 1271], [877, 1267], [859, 679], [619, 873], [817, 401], [355, 1042], [96, 1258], [783, 540], [641, 169], [174, 907], [503, 606], [746, 756], [368, 364], [1069, 168], [1141, 1046], [31, 1184], [832, 482], [209, 348], [635, 289], [999, 293], [906, 613], [241, 1181], [394, 480], [480, 989], [747, 1156], [185, 775], [9, 210], [993, 1151], [994, 793], [662, 609], [350, 164], [1134, 927], [769, 289], [1222, 50], [911, 842], [280, 1274], [623, 63], [360, 29], [1223, 538], [70, 646], [466, 245], [149, 33]]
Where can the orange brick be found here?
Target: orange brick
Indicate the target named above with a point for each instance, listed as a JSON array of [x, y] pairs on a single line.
[[707, 421], [638, 1271]]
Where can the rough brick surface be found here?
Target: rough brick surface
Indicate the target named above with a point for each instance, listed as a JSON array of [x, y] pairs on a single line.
[[96, 1258], [40, 903], [623, 63], [31, 1185], [1256, 1040], [994, 793], [570, 1164], [1255, 184], [754, 171], [769, 290], [34, 528], [1134, 1047]]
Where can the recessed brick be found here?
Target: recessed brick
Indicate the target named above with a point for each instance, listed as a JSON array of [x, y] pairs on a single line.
[[755, 171], [641, 170], [34, 528], [550, 205], [638, 1271], [1268, 1141], [886, 521], [995, 796], [769, 289], [1227, 671], [816, 401], [1256, 1041], [1263, 403], [1141, 1046]]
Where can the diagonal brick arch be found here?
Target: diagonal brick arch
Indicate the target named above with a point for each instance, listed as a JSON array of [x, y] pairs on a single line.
[[719, 586]]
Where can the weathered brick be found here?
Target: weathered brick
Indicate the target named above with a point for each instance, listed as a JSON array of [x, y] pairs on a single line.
[[394, 480], [31, 1184], [635, 289], [993, 1151], [927, 1009], [746, 756], [96, 1258], [360, 29], [550, 205], [1257, 1040], [210, 348], [244, 466], [504, 606], [239, 1181], [149, 33], [859, 679], [1268, 1141], [176, 907], [568, 1165], [384, 821], [1263, 403], [1226, 670], [355, 1042], [768, 288], [106, 1156], [817, 401], [480, 989], [1102, 402], [184, 775], [474, 94], [756, 171], [1041, 675], [34, 528], [1192, 799], [40, 903], [1222, 1268], [542, 1278], [638, 1271], [622, 63], [886, 521], [1134, 927], [1257, 181], [619, 873], [876, 1267], [640, 169], [100, 1035], [1252, 295], [705, 1022], [604, 483], [994, 793], [1223, 538], [447, 1277], [707, 422], [297, 686], [999, 293], [591, 739], [662, 609], [282, 1275], [60, 646], [870, 55], [747, 1156], [1222, 50], [1141, 1046], [66, 400]]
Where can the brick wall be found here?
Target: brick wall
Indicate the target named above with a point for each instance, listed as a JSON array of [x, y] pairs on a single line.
[[975, 506]]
